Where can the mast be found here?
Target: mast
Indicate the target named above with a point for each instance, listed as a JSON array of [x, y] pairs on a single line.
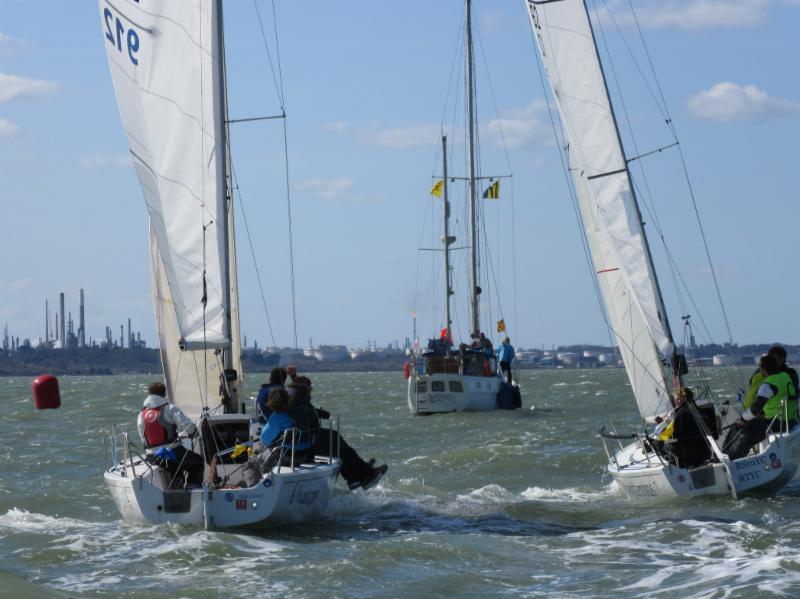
[[473, 216], [447, 241], [646, 243], [225, 191]]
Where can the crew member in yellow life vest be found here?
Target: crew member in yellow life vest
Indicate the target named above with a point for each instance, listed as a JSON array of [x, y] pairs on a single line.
[[772, 403], [158, 425], [758, 377]]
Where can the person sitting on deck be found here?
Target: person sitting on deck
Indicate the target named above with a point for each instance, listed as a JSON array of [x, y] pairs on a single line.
[[158, 424], [685, 440], [356, 472], [484, 343], [758, 376], [280, 421], [277, 379], [772, 405]]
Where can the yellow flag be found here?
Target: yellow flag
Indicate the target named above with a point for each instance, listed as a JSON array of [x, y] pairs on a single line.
[[493, 191], [501, 326], [436, 190]]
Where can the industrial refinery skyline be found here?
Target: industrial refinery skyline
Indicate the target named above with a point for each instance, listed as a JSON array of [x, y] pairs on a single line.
[[60, 331]]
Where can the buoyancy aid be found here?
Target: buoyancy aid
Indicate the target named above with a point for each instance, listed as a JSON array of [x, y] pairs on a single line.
[[782, 382], [752, 390], [156, 433]]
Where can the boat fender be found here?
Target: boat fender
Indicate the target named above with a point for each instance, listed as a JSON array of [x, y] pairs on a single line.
[[406, 370], [46, 395]]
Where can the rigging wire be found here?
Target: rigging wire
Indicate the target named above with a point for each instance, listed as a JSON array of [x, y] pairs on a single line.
[[278, 81], [562, 149], [501, 130], [664, 109], [615, 337], [253, 254]]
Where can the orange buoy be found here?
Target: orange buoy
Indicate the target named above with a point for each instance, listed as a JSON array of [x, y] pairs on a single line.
[[406, 370], [46, 395]]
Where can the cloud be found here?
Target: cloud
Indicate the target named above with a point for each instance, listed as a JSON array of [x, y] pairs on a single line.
[[7, 129], [727, 102], [492, 22], [402, 138], [103, 161], [692, 14], [328, 189], [338, 127], [21, 284], [10, 45], [12, 87], [522, 126]]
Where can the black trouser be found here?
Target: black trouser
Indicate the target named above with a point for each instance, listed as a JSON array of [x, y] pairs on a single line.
[[189, 462], [354, 469], [739, 442], [505, 368]]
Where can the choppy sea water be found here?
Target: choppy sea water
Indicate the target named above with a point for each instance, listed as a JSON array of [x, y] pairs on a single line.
[[511, 504]]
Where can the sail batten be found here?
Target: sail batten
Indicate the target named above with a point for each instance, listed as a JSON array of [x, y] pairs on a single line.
[[606, 199]]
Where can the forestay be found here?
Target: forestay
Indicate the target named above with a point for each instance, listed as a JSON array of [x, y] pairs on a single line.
[[603, 187], [164, 63]]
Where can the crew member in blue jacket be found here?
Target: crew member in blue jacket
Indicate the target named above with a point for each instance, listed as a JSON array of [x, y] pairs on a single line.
[[280, 421], [505, 355]]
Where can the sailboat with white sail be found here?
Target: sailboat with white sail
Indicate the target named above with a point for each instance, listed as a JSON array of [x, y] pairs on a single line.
[[441, 377], [167, 62], [634, 306]]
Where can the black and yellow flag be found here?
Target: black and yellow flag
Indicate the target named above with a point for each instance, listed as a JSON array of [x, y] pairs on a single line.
[[493, 191], [501, 325], [436, 190]]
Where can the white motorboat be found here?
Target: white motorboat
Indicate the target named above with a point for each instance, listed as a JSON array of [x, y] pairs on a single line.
[[167, 62], [625, 273]]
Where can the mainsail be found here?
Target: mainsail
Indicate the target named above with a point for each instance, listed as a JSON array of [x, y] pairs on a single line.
[[165, 60], [613, 227]]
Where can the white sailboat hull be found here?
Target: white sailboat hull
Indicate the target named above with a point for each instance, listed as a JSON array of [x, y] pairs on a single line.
[[451, 392], [284, 495], [642, 474]]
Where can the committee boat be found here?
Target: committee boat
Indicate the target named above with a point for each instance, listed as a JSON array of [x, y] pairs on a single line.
[[167, 62], [652, 464], [443, 377]]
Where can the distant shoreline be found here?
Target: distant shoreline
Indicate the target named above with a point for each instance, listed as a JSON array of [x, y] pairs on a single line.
[[97, 361]]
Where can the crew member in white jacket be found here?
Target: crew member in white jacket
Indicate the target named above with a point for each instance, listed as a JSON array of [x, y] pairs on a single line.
[[158, 424]]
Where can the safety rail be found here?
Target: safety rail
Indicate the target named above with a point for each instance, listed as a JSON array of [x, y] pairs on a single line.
[[284, 452], [643, 440], [122, 454], [118, 441]]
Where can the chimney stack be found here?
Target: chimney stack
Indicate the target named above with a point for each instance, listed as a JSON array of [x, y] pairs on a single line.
[[63, 323], [81, 326]]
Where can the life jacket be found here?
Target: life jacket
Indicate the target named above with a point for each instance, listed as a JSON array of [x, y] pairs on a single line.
[[155, 433], [752, 391], [775, 405]]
